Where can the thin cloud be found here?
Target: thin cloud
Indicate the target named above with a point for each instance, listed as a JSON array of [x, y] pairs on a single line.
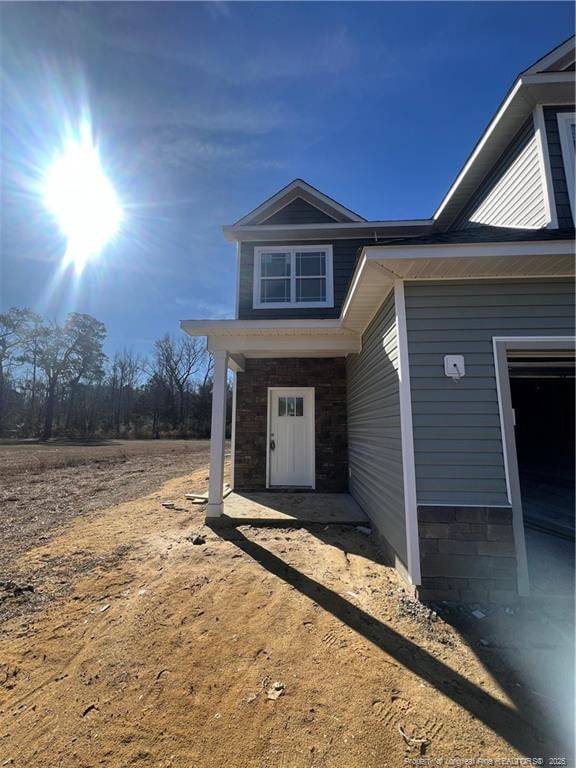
[[213, 310], [329, 54], [249, 121], [218, 9], [169, 150]]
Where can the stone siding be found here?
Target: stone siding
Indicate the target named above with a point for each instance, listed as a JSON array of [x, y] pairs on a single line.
[[328, 377], [467, 554]]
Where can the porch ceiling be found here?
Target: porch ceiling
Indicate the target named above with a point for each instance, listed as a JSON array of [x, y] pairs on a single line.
[[379, 267], [276, 338]]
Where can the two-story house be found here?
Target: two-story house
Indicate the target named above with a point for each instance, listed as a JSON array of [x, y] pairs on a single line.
[[424, 366]]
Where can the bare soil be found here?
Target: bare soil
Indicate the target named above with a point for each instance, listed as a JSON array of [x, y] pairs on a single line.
[[43, 485], [125, 643]]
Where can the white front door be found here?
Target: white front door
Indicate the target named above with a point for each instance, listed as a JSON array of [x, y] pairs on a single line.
[[291, 437]]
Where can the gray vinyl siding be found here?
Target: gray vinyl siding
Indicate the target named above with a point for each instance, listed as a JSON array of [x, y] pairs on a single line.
[[457, 439], [563, 211], [344, 255], [299, 212], [512, 194], [374, 435]]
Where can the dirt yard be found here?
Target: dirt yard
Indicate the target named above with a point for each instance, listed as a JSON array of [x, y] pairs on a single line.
[[124, 643]]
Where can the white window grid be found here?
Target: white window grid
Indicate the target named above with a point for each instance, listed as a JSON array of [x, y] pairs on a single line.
[[291, 251]]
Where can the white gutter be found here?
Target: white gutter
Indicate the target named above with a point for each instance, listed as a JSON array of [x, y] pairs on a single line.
[[261, 231], [468, 250]]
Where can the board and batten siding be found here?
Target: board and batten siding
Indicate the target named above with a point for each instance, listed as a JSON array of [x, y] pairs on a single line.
[[457, 439], [563, 212], [374, 434], [512, 194], [344, 257]]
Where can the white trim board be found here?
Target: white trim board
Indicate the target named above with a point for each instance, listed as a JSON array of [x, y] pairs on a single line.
[[565, 120], [562, 55], [545, 169], [289, 193], [456, 278], [321, 231], [468, 250], [408, 460], [264, 327], [233, 432], [501, 345], [237, 284], [452, 504]]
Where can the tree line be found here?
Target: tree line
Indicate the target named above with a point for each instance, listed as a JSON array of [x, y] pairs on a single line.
[[56, 380]]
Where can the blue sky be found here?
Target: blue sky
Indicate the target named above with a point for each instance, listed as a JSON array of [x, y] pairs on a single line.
[[204, 110]]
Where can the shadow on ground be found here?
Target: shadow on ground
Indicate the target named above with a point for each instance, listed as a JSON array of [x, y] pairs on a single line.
[[530, 725]]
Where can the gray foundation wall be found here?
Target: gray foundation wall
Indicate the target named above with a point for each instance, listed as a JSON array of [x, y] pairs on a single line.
[[467, 555]]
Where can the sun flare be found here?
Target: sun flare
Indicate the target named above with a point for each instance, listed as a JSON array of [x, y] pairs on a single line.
[[82, 199]]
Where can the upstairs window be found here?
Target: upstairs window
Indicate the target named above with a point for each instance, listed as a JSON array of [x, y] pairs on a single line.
[[298, 276], [567, 131]]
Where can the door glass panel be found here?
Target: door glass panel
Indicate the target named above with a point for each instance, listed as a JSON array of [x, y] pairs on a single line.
[[290, 406]]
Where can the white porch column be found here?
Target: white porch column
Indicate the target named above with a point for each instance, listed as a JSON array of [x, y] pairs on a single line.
[[217, 435]]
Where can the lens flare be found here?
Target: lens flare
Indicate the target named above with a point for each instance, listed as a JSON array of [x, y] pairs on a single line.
[[81, 198]]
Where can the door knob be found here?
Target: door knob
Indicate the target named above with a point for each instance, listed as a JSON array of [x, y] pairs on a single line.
[[272, 445]]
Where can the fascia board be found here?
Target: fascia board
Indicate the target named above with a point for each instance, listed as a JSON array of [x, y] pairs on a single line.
[[526, 93], [298, 184], [262, 232]]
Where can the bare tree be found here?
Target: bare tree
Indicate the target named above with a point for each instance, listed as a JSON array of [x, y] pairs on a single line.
[[126, 371], [15, 328], [177, 360], [52, 380]]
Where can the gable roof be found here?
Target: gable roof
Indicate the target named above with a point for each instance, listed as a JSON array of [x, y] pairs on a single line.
[[558, 59], [542, 83], [299, 189], [299, 212]]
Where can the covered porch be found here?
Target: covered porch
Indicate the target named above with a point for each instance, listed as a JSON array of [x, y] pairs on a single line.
[[282, 369]]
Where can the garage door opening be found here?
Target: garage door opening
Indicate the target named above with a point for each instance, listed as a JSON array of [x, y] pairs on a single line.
[[543, 396]]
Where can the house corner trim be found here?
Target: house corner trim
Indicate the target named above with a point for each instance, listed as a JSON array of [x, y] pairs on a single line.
[[408, 463], [545, 169]]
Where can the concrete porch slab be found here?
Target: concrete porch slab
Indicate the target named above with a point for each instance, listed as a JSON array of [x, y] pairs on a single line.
[[292, 508]]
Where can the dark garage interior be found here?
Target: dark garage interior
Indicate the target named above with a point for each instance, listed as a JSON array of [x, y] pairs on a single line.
[[543, 397]]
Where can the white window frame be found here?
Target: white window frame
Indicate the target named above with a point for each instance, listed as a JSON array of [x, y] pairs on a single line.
[[565, 120], [257, 303]]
